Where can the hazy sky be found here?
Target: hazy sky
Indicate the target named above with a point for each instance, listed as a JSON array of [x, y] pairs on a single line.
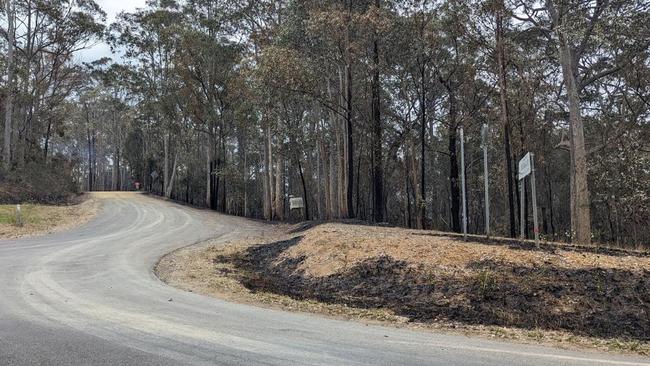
[[112, 8]]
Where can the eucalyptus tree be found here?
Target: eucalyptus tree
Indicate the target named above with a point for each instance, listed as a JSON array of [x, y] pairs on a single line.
[[40, 69], [593, 40]]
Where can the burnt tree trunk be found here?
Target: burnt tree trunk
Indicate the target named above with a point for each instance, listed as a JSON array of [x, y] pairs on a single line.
[[503, 93]]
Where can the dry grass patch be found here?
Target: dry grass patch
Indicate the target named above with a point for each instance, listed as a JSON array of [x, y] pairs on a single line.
[[559, 294], [39, 219]]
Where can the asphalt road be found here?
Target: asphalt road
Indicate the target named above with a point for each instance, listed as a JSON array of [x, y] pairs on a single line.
[[89, 297]]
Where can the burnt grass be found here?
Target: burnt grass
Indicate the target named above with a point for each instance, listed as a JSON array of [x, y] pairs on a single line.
[[603, 303]]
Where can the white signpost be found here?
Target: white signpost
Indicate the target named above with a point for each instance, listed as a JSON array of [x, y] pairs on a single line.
[[462, 181], [527, 167]]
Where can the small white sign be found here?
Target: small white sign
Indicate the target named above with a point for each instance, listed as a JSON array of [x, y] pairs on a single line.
[[296, 202], [524, 167]]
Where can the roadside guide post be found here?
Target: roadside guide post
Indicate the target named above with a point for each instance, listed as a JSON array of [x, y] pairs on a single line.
[[484, 135], [527, 167], [462, 181], [19, 216]]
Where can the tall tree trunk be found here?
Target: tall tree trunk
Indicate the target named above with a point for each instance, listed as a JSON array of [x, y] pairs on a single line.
[[453, 164], [245, 181], [166, 163], [47, 139], [415, 177], [580, 209], [304, 192], [208, 169], [170, 185], [278, 206], [423, 128], [269, 172], [326, 180], [377, 159], [90, 160], [407, 192], [9, 100], [332, 152], [224, 166], [580, 206], [265, 184], [348, 118], [505, 121], [116, 170]]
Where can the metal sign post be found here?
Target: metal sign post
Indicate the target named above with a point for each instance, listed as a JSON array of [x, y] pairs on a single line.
[[462, 180], [527, 167], [484, 133], [534, 193], [522, 214]]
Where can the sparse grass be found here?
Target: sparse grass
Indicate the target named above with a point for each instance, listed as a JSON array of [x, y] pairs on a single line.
[[38, 219], [562, 296], [486, 283], [31, 214]]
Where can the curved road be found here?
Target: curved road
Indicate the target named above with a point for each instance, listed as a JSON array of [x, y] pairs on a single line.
[[89, 297]]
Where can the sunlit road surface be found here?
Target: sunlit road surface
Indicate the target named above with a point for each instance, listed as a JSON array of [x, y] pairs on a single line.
[[89, 297]]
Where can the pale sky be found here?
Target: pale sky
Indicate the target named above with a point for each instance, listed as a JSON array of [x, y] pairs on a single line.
[[112, 8]]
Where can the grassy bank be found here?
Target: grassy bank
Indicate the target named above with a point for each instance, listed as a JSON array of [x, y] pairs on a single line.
[[38, 219], [570, 295]]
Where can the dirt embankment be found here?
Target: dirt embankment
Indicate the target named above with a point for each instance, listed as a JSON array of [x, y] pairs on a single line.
[[601, 295], [40, 219]]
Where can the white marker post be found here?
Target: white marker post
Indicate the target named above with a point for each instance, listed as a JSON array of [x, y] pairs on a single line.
[[19, 216], [462, 180], [484, 135], [526, 167]]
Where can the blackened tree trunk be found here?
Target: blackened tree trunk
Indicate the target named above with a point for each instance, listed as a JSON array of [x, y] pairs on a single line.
[[503, 92], [348, 118], [423, 130], [378, 165], [453, 164], [304, 191]]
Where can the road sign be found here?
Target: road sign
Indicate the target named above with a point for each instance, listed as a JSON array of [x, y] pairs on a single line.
[[296, 202], [524, 167], [154, 175]]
